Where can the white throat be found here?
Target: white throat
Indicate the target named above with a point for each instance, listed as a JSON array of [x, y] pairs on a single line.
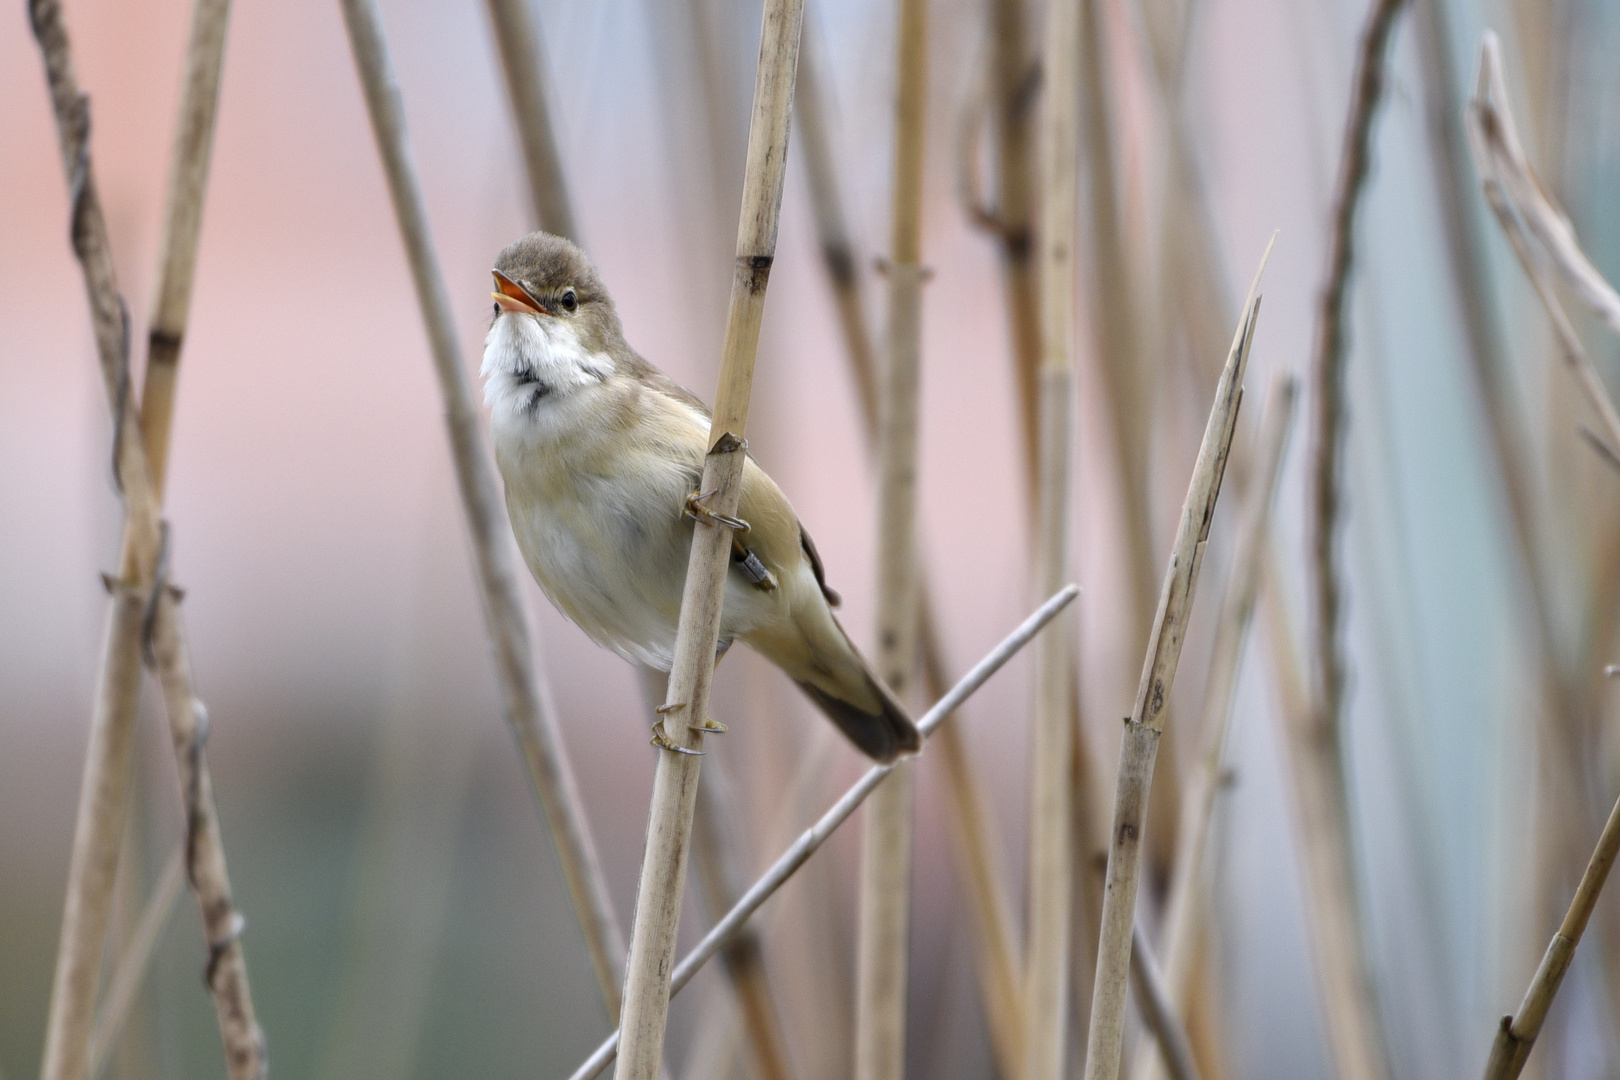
[[532, 361]]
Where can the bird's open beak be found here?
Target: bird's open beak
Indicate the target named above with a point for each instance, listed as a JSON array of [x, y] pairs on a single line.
[[515, 298]]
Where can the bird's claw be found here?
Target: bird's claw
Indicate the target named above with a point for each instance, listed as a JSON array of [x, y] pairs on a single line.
[[713, 727], [698, 512], [665, 710], [659, 739]]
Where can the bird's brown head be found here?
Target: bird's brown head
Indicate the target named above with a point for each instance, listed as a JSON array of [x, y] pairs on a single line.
[[548, 277]]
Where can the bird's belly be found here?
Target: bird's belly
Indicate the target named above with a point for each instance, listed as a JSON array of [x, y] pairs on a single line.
[[611, 553]]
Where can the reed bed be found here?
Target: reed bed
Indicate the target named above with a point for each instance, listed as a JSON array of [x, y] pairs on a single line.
[[1077, 302]]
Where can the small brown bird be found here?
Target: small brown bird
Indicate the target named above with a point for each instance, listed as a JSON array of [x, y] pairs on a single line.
[[602, 455]]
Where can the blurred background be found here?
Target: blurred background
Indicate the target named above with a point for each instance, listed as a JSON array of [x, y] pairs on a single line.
[[405, 913]]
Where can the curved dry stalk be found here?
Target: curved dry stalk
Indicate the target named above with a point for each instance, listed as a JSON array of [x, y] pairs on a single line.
[[1051, 785], [1354, 1026], [1142, 729], [812, 838], [1517, 1034], [1527, 213], [1185, 908], [142, 606], [669, 827], [974, 835], [523, 60], [884, 940], [524, 696], [1158, 1011]]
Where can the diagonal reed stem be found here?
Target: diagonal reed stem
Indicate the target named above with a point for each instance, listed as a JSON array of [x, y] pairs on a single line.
[[1516, 1035], [524, 696], [812, 838], [675, 784], [1143, 727], [1186, 908], [523, 60]]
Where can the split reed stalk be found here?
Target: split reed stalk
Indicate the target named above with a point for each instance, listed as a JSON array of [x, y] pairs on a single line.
[[1051, 784], [721, 874], [884, 941], [1354, 1026], [1158, 1011], [1142, 728], [1186, 909], [524, 696], [1517, 1034], [143, 606], [974, 835], [812, 838], [675, 785], [1527, 213], [523, 59]]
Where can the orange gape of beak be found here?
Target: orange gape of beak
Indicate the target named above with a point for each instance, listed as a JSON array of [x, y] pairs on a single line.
[[513, 297]]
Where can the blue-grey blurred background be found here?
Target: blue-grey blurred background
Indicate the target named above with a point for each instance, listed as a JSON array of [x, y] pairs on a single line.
[[405, 913]]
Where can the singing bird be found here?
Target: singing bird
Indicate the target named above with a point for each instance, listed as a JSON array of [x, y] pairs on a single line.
[[602, 455]]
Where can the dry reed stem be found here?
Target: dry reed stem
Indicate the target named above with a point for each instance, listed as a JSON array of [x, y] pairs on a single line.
[[1517, 1034], [525, 699], [812, 123], [974, 835], [652, 944], [1158, 1010], [1051, 784], [1008, 92], [1355, 1029], [182, 225], [721, 874], [138, 609], [1185, 909], [812, 838], [133, 962], [883, 945], [1527, 213], [1143, 727], [1117, 351], [523, 59]]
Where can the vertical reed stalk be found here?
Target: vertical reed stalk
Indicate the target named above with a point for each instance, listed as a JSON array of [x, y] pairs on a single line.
[[669, 828], [1117, 326], [809, 841], [722, 876], [1186, 908], [885, 903], [1052, 794], [1517, 1034], [973, 832], [143, 605], [523, 59], [1142, 729], [524, 697], [1354, 1027]]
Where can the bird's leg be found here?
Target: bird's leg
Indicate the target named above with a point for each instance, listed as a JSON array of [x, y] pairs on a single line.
[[659, 738], [695, 510]]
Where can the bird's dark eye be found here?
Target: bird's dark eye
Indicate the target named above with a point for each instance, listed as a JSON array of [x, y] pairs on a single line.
[[497, 308], [569, 300]]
